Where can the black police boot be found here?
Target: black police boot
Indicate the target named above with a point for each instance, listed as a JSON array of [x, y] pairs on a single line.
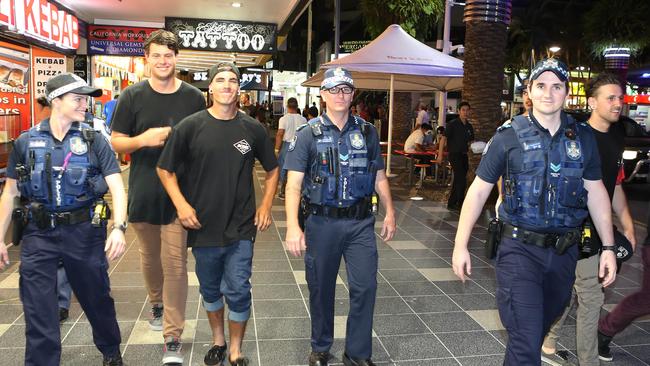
[[115, 360], [319, 358], [347, 361], [63, 314]]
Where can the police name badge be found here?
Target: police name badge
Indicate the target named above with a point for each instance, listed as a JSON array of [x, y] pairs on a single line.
[[573, 150], [78, 146], [38, 143], [356, 141]]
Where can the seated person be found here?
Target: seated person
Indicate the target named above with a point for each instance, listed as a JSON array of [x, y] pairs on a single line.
[[419, 139]]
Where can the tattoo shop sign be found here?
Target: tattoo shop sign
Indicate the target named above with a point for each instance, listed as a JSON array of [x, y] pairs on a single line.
[[223, 35]]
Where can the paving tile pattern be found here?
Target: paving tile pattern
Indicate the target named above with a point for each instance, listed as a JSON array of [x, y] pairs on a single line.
[[423, 314]]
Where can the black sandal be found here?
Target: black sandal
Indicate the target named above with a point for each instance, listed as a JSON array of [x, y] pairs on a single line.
[[240, 361]]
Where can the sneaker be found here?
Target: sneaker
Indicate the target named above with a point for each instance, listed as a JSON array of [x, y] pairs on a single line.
[[604, 353], [155, 322], [216, 355], [63, 314], [281, 196], [172, 351], [559, 358], [319, 358], [240, 361], [115, 360]]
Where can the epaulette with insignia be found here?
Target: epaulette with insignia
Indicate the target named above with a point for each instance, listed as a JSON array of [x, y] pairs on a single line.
[[504, 126], [302, 126], [316, 127]]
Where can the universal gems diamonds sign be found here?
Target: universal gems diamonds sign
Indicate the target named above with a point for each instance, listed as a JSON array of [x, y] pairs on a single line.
[[223, 35]]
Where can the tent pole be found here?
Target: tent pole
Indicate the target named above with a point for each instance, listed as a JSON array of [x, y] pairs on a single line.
[[390, 126]]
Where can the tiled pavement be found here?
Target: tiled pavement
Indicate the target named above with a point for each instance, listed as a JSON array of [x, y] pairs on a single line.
[[423, 314]]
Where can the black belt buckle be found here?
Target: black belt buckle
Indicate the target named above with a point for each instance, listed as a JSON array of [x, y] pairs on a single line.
[[551, 240]]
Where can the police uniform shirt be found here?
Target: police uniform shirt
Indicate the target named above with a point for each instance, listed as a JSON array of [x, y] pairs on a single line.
[[100, 148], [505, 145], [217, 157], [138, 109], [302, 152]]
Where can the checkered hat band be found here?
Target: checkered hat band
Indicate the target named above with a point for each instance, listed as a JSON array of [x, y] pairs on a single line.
[[547, 67], [65, 89], [338, 79]]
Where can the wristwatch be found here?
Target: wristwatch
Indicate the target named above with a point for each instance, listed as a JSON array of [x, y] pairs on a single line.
[[121, 227], [609, 247]]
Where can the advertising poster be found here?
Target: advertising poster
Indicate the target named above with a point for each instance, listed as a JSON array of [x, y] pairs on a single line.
[[14, 84], [117, 40], [45, 65]]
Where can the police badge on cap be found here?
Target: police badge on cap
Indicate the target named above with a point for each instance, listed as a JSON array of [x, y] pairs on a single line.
[[337, 76]]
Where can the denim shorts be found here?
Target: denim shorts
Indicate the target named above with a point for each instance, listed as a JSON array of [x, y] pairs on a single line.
[[226, 271]]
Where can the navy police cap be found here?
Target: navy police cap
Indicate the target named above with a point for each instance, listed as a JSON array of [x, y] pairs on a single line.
[[336, 76], [554, 65]]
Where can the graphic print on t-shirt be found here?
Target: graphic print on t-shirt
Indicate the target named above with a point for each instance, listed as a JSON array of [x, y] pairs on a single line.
[[242, 146]]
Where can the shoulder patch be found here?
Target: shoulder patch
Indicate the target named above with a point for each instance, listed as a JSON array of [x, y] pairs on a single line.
[[487, 146], [292, 145]]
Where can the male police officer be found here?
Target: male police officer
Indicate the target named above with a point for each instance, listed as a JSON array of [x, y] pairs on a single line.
[[549, 163], [63, 169], [605, 98], [339, 158]]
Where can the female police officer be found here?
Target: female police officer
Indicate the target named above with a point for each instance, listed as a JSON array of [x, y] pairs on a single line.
[[63, 171]]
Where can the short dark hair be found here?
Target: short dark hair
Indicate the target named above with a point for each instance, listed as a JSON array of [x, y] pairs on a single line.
[[313, 111], [42, 101], [462, 104], [604, 78], [164, 38], [292, 103], [426, 127]]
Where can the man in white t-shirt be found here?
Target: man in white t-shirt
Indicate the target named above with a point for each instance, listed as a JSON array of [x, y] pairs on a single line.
[[286, 131], [423, 117], [416, 140]]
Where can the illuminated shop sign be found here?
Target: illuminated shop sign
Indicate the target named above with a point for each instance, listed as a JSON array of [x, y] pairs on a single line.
[[117, 40], [223, 35], [41, 20]]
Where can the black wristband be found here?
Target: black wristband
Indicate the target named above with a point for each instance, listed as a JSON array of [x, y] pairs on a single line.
[[609, 247]]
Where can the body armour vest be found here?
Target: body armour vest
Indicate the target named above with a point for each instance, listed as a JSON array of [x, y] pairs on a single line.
[[77, 183], [548, 193], [341, 174]]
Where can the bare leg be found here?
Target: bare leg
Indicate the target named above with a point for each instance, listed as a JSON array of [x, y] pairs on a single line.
[[216, 323], [237, 330]]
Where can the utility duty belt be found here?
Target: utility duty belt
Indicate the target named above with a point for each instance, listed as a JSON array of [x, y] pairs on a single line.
[[561, 242], [98, 214], [49, 220], [358, 211]]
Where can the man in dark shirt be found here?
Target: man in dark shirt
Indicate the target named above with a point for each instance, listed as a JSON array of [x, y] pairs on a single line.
[[215, 201], [605, 98], [458, 134], [142, 120]]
